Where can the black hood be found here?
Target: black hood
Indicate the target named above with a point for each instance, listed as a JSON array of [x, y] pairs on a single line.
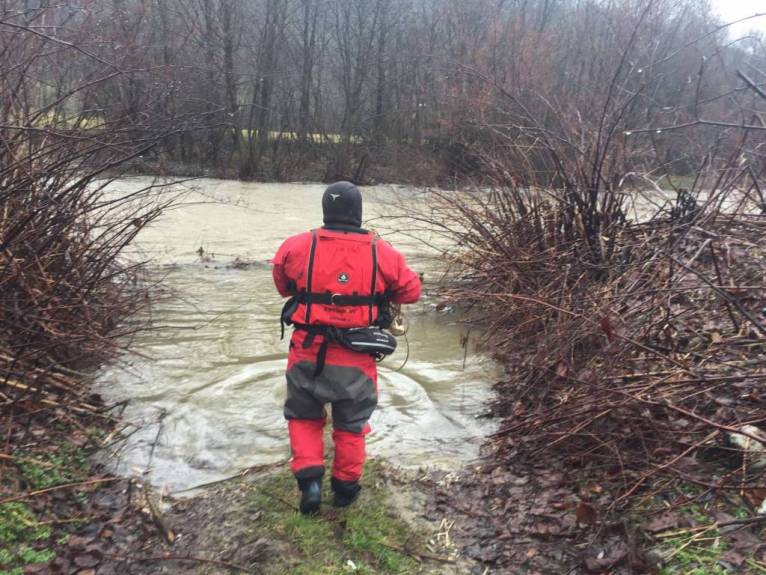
[[342, 204]]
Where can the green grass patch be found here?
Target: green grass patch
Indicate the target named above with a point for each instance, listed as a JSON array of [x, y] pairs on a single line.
[[367, 538], [58, 121], [700, 557], [696, 551], [294, 137], [66, 464], [21, 537]]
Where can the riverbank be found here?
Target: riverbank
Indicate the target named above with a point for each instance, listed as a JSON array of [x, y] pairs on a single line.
[[440, 164], [493, 517], [251, 524], [69, 518]]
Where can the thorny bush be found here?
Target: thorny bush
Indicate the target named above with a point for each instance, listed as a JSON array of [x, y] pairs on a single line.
[[630, 366], [63, 282]]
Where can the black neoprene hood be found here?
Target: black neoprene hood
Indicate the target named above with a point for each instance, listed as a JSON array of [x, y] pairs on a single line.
[[342, 204]]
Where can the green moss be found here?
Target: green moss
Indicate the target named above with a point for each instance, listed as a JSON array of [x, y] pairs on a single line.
[[366, 538], [24, 540], [64, 465], [699, 558], [18, 525], [30, 556], [693, 552], [741, 513], [19, 534]]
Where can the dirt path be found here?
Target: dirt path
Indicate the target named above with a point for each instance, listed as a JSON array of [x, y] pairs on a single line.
[[250, 524]]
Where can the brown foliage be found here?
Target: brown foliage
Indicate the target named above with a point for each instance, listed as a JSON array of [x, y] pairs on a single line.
[[63, 282], [629, 364]]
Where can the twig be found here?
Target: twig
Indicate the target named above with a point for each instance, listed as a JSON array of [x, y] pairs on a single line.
[[167, 533], [279, 498], [734, 301], [245, 472], [743, 521], [29, 460], [752, 85], [417, 554], [691, 540], [681, 455], [58, 487]]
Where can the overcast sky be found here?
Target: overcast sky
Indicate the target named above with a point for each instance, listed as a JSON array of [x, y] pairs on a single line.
[[730, 10]]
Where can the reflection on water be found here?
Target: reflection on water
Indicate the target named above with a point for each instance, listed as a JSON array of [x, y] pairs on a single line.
[[208, 379]]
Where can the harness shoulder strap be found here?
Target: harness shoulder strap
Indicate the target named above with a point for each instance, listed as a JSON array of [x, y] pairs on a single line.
[[310, 272], [374, 273]]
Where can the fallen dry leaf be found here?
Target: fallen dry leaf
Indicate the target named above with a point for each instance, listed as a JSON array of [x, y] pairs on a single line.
[[586, 514], [663, 522], [90, 559]]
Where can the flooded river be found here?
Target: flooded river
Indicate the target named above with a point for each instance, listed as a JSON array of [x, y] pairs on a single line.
[[206, 384]]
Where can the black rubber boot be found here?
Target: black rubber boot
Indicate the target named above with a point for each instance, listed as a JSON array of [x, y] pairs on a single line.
[[311, 496], [344, 492]]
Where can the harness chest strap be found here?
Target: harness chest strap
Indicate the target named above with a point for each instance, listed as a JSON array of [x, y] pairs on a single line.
[[374, 272]]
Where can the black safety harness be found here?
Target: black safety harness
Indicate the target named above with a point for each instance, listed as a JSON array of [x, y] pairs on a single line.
[[372, 339]]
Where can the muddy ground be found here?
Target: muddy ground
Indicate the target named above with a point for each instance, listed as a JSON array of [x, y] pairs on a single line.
[[488, 518], [250, 524]]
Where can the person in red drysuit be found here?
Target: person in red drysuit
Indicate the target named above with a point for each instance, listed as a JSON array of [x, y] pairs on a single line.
[[337, 276]]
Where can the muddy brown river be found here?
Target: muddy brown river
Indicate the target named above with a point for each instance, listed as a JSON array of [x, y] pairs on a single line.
[[205, 385]]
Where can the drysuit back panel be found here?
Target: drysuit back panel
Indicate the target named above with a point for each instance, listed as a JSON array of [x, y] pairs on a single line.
[[340, 264]]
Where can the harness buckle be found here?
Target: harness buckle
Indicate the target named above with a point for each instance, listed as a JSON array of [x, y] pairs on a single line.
[[332, 298]]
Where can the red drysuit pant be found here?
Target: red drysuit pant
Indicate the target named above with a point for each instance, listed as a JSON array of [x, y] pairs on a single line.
[[348, 383]]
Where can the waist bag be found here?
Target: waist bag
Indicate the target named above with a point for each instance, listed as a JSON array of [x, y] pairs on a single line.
[[371, 340]]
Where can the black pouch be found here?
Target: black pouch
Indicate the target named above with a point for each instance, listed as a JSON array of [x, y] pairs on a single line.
[[285, 318], [372, 340]]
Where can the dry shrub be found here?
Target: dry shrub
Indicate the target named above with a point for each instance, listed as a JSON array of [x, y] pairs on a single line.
[[625, 361], [65, 287], [63, 282]]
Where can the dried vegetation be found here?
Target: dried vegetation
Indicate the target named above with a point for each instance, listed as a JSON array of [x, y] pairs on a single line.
[[635, 386], [632, 365], [64, 286]]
